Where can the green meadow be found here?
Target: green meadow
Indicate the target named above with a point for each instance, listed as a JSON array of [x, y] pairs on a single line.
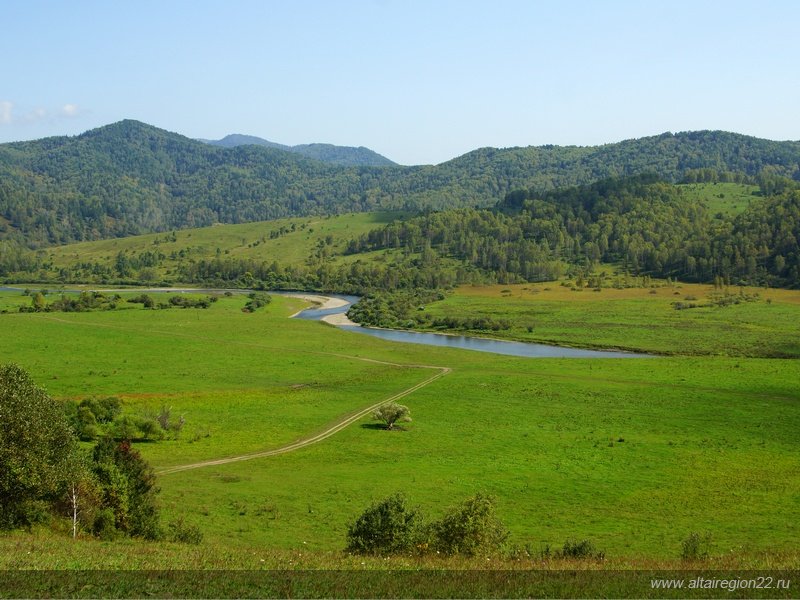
[[734, 321], [725, 198], [289, 241], [633, 454]]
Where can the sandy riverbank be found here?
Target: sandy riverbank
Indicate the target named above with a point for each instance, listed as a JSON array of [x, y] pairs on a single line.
[[340, 319], [323, 302]]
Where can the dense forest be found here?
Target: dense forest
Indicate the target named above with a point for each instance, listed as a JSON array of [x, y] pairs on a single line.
[[130, 178], [344, 156], [642, 223]]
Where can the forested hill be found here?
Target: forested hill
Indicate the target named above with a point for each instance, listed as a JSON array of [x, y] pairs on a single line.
[[640, 223], [130, 178], [344, 156]]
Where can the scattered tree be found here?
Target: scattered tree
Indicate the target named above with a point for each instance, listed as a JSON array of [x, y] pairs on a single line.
[[392, 413]]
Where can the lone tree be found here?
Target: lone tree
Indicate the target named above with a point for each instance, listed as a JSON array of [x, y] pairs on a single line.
[[38, 451], [391, 413]]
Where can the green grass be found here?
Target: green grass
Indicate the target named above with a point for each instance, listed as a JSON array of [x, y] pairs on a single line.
[[726, 198], [632, 454], [642, 319], [242, 241], [263, 384], [130, 568], [545, 442]]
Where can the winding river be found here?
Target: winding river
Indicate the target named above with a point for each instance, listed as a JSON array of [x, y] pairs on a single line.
[[524, 349]]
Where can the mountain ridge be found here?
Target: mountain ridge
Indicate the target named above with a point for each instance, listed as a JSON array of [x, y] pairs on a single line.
[[129, 178]]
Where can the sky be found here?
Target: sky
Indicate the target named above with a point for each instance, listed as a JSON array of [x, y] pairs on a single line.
[[419, 81]]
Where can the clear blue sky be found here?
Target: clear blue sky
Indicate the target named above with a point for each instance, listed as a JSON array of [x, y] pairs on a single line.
[[420, 81]]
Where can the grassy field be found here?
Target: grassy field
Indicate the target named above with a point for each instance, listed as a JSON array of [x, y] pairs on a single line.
[[725, 198], [631, 454], [643, 318], [289, 241]]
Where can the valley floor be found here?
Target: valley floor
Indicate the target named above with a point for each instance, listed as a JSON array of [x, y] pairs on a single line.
[[632, 455]]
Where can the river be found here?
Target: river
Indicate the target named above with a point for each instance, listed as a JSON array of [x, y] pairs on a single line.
[[524, 349], [465, 342]]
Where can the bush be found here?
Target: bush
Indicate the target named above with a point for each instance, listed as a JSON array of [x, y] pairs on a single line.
[[470, 529], [127, 487], [257, 300], [105, 410], [105, 525], [143, 299], [387, 527], [126, 428], [582, 549], [184, 533], [695, 546]]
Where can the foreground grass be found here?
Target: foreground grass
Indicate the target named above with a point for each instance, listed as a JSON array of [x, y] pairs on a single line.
[[643, 319], [631, 454], [42, 565], [42, 549], [600, 451]]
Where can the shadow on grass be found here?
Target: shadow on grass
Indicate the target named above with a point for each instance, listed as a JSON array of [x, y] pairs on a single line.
[[381, 427]]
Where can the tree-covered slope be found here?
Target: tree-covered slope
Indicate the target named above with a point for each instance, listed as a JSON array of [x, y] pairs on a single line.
[[130, 178], [344, 156], [643, 224]]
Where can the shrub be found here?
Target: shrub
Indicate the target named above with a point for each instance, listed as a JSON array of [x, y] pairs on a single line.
[[127, 486], [387, 527], [257, 300], [695, 546], [581, 549], [150, 429], [471, 528], [105, 410], [143, 299], [127, 428], [182, 532], [105, 525]]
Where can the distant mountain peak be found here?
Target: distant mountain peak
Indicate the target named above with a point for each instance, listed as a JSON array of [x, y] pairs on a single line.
[[239, 139], [344, 156]]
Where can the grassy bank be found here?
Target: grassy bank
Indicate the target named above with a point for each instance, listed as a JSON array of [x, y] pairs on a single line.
[[731, 321]]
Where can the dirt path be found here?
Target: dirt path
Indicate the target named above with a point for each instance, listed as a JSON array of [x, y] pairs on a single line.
[[334, 428], [302, 443]]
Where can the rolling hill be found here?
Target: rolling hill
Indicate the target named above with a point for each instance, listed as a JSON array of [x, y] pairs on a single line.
[[130, 178]]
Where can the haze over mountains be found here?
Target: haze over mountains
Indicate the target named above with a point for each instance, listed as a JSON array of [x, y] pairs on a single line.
[[129, 178], [345, 156]]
